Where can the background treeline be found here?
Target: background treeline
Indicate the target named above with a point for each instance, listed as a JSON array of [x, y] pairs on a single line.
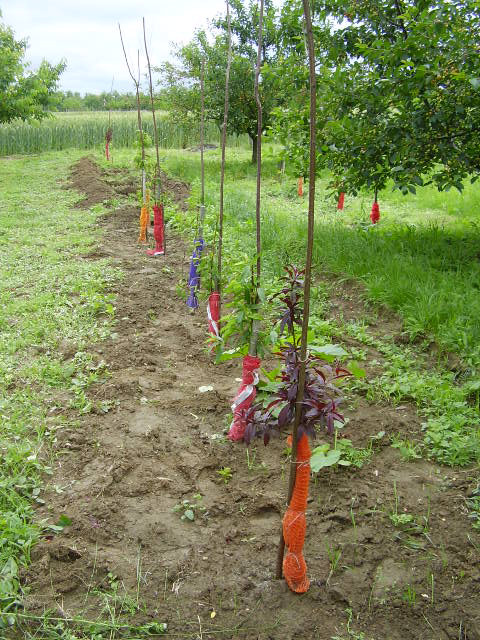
[[115, 101]]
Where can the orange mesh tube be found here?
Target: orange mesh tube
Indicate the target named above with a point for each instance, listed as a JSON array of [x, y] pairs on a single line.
[[294, 522], [144, 218], [300, 187]]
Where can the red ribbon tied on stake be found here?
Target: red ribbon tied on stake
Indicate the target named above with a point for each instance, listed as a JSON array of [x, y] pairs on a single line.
[[245, 396], [341, 200], [158, 232], [213, 313], [375, 213]]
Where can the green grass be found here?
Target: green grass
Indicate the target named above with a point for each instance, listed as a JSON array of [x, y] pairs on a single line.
[[49, 296], [452, 424], [86, 130], [422, 262]]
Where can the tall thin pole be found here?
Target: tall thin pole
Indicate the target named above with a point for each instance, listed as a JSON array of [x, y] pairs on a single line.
[[222, 171], [255, 324], [202, 130], [308, 266], [259, 136], [136, 82], [157, 189], [142, 141], [202, 145]]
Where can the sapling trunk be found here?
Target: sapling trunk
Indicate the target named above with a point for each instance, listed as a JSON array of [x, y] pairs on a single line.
[[259, 138], [308, 267], [202, 136], [198, 243], [136, 82], [252, 351], [222, 170], [202, 145], [157, 188], [109, 130]]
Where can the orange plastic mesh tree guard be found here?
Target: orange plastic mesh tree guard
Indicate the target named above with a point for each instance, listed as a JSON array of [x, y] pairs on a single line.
[[144, 219], [143, 224], [295, 524], [300, 187]]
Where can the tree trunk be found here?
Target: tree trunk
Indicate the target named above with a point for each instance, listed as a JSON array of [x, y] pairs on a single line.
[[254, 139]]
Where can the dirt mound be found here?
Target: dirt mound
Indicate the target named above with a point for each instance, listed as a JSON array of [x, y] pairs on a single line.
[[154, 440], [86, 177]]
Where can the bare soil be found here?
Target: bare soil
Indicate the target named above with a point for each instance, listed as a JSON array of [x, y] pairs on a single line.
[[119, 474]]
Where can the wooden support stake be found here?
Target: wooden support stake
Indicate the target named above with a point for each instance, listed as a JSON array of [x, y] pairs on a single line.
[[308, 267], [256, 324], [222, 170], [157, 187]]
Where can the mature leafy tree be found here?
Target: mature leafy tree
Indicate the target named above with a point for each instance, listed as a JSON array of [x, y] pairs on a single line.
[[181, 79], [399, 91], [23, 94]]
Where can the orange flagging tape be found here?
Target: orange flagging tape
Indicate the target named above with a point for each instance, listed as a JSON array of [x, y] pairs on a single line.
[[300, 187], [295, 524], [144, 219]]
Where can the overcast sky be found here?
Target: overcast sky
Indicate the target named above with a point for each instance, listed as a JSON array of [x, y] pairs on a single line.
[[85, 33]]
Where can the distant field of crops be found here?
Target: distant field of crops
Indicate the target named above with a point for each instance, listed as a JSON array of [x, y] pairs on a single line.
[[86, 130]]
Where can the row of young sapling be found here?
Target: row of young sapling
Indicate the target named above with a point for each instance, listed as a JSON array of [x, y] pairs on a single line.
[[307, 395]]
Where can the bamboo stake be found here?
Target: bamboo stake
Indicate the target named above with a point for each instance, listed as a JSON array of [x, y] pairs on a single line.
[[157, 186], [222, 171], [256, 324], [142, 141], [308, 266], [136, 82], [202, 145]]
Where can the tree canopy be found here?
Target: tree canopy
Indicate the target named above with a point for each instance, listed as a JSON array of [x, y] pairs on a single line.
[[23, 93], [181, 79], [399, 91]]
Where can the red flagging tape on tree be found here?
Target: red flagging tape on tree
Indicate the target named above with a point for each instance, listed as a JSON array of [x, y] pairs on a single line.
[[158, 232], [294, 522], [245, 397], [375, 213], [213, 313], [341, 200]]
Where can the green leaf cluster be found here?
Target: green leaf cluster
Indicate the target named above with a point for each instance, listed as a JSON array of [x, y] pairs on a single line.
[[180, 81], [398, 92], [23, 94]]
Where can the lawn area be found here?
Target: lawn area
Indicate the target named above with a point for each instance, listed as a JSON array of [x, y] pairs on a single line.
[[51, 301], [422, 260]]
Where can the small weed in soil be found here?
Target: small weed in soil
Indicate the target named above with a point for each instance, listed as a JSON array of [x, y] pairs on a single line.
[[188, 508]]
